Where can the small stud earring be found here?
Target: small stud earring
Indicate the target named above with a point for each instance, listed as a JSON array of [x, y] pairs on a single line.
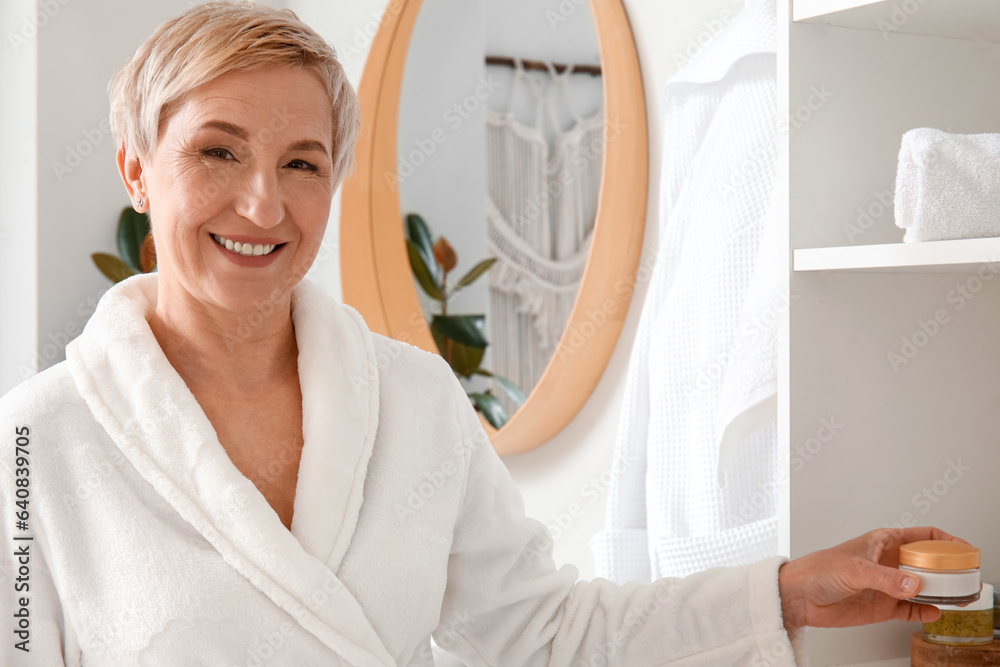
[[139, 202]]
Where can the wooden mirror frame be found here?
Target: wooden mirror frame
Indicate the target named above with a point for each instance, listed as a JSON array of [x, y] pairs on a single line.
[[375, 269]]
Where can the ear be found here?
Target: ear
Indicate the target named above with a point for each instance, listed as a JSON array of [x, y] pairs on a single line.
[[131, 170]]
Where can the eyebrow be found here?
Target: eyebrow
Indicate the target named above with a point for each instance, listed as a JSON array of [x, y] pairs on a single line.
[[239, 132], [310, 145], [228, 128]]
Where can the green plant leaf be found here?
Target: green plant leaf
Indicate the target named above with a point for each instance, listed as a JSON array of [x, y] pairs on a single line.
[[439, 340], [509, 387], [465, 329], [490, 407], [475, 272], [418, 232], [132, 229], [112, 267], [422, 274], [465, 359]]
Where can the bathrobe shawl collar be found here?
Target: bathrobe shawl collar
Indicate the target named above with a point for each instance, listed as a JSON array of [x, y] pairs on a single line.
[[154, 419]]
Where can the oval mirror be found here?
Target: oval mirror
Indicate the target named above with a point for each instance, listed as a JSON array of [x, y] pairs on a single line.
[[478, 112]]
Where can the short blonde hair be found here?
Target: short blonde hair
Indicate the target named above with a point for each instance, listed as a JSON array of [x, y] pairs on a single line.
[[214, 39]]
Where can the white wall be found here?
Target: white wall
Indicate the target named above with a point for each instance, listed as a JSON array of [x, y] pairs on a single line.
[[18, 188]]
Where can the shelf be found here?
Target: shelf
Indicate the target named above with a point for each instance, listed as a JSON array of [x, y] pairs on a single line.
[[977, 20], [961, 256]]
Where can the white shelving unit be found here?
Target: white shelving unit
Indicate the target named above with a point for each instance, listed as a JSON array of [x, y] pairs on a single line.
[[898, 344], [960, 256], [961, 19]]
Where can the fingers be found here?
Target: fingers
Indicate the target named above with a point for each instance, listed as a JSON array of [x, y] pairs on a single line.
[[927, 533], [882, 545], [888, 580], [919, 613]]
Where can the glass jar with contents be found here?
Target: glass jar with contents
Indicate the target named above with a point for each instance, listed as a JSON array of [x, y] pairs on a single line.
[[948, 571], [972, 624]]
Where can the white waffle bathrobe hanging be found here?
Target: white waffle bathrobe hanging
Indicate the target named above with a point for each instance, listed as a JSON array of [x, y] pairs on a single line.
[[697, 444]]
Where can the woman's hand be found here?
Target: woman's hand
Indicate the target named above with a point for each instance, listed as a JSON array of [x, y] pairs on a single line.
[[855, 583]]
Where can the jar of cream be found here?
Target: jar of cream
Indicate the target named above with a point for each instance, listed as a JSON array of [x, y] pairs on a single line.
[[969, 625], [948, 571]]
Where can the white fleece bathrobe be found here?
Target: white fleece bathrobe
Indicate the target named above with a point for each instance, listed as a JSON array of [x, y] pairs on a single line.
[[150, 548]]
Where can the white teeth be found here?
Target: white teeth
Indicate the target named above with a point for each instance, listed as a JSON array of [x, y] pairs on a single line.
[[245, 249]]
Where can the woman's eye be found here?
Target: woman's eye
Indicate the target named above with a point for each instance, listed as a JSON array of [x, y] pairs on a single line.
[[220, 153], [302, 164]]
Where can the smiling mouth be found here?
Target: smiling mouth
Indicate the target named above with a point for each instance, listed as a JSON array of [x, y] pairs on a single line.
[[246, 249]]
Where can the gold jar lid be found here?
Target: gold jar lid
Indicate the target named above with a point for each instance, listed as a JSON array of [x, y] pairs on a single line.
[[939, 555]]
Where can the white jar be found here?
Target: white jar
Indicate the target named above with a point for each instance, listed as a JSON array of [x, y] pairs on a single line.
[[948, 571]]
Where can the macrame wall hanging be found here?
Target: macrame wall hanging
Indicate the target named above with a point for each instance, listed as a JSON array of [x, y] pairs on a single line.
[[540, 210]]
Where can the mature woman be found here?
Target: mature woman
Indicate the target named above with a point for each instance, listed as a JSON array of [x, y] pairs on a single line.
[[224, 470]]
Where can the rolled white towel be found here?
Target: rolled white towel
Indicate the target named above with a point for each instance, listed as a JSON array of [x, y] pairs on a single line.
[[948, 185]]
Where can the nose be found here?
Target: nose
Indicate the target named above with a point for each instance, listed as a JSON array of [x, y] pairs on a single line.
[[261, 201]]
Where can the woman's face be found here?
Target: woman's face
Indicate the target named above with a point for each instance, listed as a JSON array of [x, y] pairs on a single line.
[[239, 188]]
